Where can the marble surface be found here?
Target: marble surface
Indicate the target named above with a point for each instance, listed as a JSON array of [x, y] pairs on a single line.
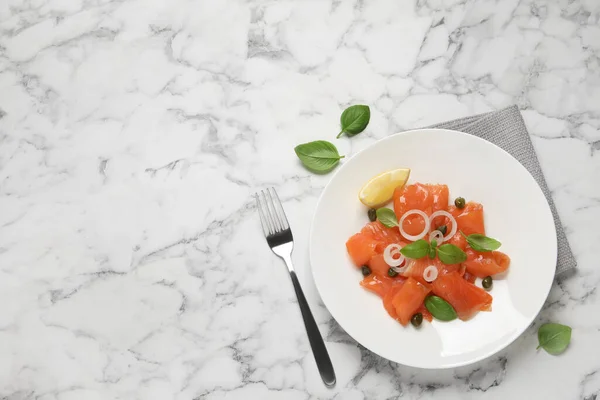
[[133, 134]]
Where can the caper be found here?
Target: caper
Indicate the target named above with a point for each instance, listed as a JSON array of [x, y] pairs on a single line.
[[366, 271], [392, 272], [459, 202], [372, 213], [416, 320], [443, 229], [487, 282]]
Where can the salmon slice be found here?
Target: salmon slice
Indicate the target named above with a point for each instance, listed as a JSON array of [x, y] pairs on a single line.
[[410, 197], [370, 241], [469, 218], [397, 284], [408, 299], [439, 197], [379, 285], [439, 201], [466, 298], [382, 235], [482, 264], [415, 268], [469, 278], [361, 248], [379, 266], [458, 240]]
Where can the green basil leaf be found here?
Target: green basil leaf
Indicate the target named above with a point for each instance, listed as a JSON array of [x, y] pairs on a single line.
[[319, 156], [432, 252], [440, 308], [354, 120], [554, 338], [481, 242], [450, 254], [387, 217], [418, 249]]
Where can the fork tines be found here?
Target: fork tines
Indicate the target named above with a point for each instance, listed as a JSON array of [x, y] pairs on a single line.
[[272, 216]]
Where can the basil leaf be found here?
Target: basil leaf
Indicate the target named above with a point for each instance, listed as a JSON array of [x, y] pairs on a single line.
[[481, 242], [418, 249], [432, 252], [440, 308], [432, 249], [319, 156], [450, 254], [554, 338], [387, 217], [354, 120]]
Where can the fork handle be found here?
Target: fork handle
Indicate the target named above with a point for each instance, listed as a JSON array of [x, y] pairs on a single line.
[[312, 330]]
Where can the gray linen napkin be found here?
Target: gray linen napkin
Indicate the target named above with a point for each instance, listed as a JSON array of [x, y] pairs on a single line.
[[506, 129]]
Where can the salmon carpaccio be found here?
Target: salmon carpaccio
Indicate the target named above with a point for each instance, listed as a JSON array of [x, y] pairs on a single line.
[[404, 294]]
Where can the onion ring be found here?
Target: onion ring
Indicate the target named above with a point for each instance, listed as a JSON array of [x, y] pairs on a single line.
[[430, 273], [442, 213], [437, 235], [388, 255], [421, 235], [399, 269]]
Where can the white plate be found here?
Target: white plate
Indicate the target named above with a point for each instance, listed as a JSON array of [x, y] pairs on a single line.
[[516, 213]]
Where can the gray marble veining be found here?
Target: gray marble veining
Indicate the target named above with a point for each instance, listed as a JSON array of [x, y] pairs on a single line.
[[133, 133]]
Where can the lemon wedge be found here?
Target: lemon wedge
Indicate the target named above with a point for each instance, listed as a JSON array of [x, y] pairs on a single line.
[[380, 189]]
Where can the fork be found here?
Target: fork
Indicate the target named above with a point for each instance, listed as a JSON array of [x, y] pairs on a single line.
[[279, 237]]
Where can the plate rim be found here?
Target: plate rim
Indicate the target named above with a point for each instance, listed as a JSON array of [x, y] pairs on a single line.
[[476, 359]]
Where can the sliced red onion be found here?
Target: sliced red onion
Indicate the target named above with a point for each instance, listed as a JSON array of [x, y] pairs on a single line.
[[430, 273], [389, 254], [442, 213], [420, 235], [438, 236]]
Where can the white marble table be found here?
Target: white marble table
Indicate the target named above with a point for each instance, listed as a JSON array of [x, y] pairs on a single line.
[[133, 133]]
